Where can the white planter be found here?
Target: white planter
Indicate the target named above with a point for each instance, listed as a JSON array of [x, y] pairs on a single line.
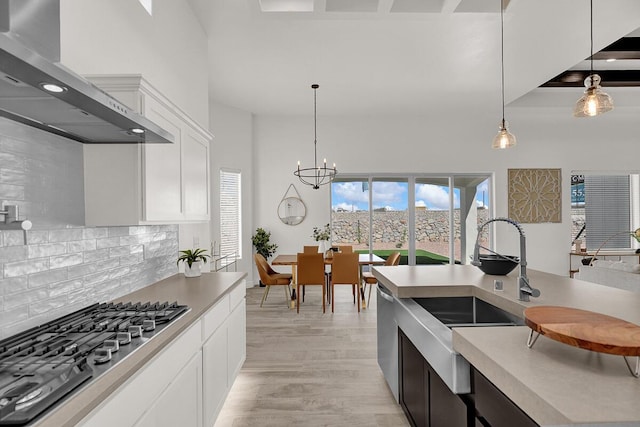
[[323, 247], [193, 271]]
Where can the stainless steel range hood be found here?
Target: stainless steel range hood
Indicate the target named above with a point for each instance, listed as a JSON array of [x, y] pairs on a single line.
[[29, 60]]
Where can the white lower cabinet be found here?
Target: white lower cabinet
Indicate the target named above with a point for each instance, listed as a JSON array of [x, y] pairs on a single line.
[[187, 383], [224, 350], [237, 340], [181, 403], [214, 370]]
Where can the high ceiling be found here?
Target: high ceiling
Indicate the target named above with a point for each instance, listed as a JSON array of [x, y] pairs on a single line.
[[397, 56]]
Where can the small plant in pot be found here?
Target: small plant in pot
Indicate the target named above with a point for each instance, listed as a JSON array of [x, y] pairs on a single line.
[[193, 259], [260, 241]]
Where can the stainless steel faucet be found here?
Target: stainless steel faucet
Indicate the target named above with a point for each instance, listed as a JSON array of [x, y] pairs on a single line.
[[524, 289]]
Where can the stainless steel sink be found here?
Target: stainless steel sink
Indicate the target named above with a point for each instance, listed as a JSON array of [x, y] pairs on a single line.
[[428, 323], [467, 311]]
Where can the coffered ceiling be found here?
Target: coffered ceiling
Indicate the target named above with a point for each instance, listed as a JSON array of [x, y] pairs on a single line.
[[399, 56]]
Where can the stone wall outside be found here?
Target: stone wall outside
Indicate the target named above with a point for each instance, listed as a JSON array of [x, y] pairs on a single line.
[[390, 229]]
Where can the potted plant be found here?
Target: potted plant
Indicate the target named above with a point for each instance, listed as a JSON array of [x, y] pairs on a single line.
[[192, 260], [260, 241]]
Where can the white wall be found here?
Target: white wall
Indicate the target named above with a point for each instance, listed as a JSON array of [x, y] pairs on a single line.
[[232, 148], [119, 37], [547, 138]]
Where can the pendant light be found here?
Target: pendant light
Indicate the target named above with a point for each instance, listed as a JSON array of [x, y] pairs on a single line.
[[504, 138], [317, 175], [594, 101]]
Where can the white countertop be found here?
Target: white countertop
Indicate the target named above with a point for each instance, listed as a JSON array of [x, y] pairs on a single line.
[[555, 384]]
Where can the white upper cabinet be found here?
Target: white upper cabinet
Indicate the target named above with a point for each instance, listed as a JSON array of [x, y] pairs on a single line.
[[148, 183]]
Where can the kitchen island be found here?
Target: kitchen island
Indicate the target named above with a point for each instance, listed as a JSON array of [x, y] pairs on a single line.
[[213, 298], [553, 383]]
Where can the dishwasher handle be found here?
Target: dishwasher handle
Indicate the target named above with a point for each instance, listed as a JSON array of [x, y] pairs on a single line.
[[384, 293]]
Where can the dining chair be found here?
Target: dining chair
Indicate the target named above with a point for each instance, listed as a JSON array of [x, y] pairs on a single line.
[[369, 279], [345, 271], [310, 249], [310, 272], [269, 277], [345, 249]]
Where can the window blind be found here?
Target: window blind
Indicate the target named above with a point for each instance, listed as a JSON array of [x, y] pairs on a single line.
[[230, 213], [607, 211]]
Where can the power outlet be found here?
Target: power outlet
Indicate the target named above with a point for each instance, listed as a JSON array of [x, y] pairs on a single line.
[[196, 241]]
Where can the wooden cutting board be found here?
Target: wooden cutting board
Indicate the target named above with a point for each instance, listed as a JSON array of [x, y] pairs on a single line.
[[585, 329]]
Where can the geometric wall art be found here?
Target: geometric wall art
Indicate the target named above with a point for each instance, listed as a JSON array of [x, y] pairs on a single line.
[[535, 195]]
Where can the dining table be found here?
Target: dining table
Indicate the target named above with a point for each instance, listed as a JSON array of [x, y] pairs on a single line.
[[292, 260]]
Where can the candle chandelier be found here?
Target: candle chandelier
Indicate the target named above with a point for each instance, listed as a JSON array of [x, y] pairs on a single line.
[[594, 101], [317, 175]]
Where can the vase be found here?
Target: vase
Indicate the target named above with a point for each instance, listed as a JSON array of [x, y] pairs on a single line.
[[193, 271], [323, 247]]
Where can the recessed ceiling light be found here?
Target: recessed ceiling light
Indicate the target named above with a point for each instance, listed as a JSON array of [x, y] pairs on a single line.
[[52, 87], [137, 130], [611, 59]]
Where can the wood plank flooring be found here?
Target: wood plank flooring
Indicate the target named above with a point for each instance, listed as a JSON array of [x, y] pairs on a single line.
[[310, 369]]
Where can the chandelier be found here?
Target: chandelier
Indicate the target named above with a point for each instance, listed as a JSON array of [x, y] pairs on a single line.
[[317, 175]]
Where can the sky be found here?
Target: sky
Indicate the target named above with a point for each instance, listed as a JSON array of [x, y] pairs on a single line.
[[353, 196]]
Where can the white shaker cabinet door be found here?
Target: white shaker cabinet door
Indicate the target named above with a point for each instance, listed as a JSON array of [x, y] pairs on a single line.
[[162, 168], [237, 340], [214, 370], [179, 404], [195, 175]]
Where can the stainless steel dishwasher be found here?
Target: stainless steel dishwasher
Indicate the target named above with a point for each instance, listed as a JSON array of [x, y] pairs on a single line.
[[387, 338]]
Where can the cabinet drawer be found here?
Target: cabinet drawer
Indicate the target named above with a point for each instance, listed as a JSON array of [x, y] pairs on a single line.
[[215, 317], [236, 295], [496, 408]]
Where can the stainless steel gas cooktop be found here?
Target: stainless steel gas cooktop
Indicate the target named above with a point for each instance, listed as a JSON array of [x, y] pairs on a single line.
[[41, 366]]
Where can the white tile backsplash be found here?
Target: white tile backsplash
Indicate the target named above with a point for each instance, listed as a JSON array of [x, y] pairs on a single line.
[[65, 266]]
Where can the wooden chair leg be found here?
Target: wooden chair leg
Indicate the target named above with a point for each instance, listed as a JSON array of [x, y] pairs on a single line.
[[287, 294], [264, 295], [333, 292], [369, 296], [353, 291], [324, 307], [297, 298], [358, 286]]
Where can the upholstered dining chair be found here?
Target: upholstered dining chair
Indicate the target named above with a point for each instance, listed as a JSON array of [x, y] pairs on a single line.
[[310, 249], [269, 277], [345, 271], [310, 272], [369, 279]]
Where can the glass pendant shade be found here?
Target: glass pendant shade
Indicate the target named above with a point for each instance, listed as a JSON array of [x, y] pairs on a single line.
[[504, 138], [594, 101]]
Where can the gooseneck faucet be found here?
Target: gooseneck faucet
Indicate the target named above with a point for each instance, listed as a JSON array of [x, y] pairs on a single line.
[[524, 289]]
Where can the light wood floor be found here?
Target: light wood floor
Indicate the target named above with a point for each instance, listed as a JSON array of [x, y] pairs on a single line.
[[310, 369]]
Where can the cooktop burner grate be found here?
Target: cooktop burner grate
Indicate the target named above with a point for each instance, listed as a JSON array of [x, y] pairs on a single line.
[[42, 365]]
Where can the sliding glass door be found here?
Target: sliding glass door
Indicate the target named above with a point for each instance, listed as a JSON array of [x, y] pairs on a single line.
[[430, 219], [350, 216]]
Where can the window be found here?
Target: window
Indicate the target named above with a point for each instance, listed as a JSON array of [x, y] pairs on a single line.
[[429, 219], [604, 209], [230, 213]]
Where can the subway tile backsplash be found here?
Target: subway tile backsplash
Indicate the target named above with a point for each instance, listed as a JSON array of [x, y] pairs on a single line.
[[65, 266], [48, 278]]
